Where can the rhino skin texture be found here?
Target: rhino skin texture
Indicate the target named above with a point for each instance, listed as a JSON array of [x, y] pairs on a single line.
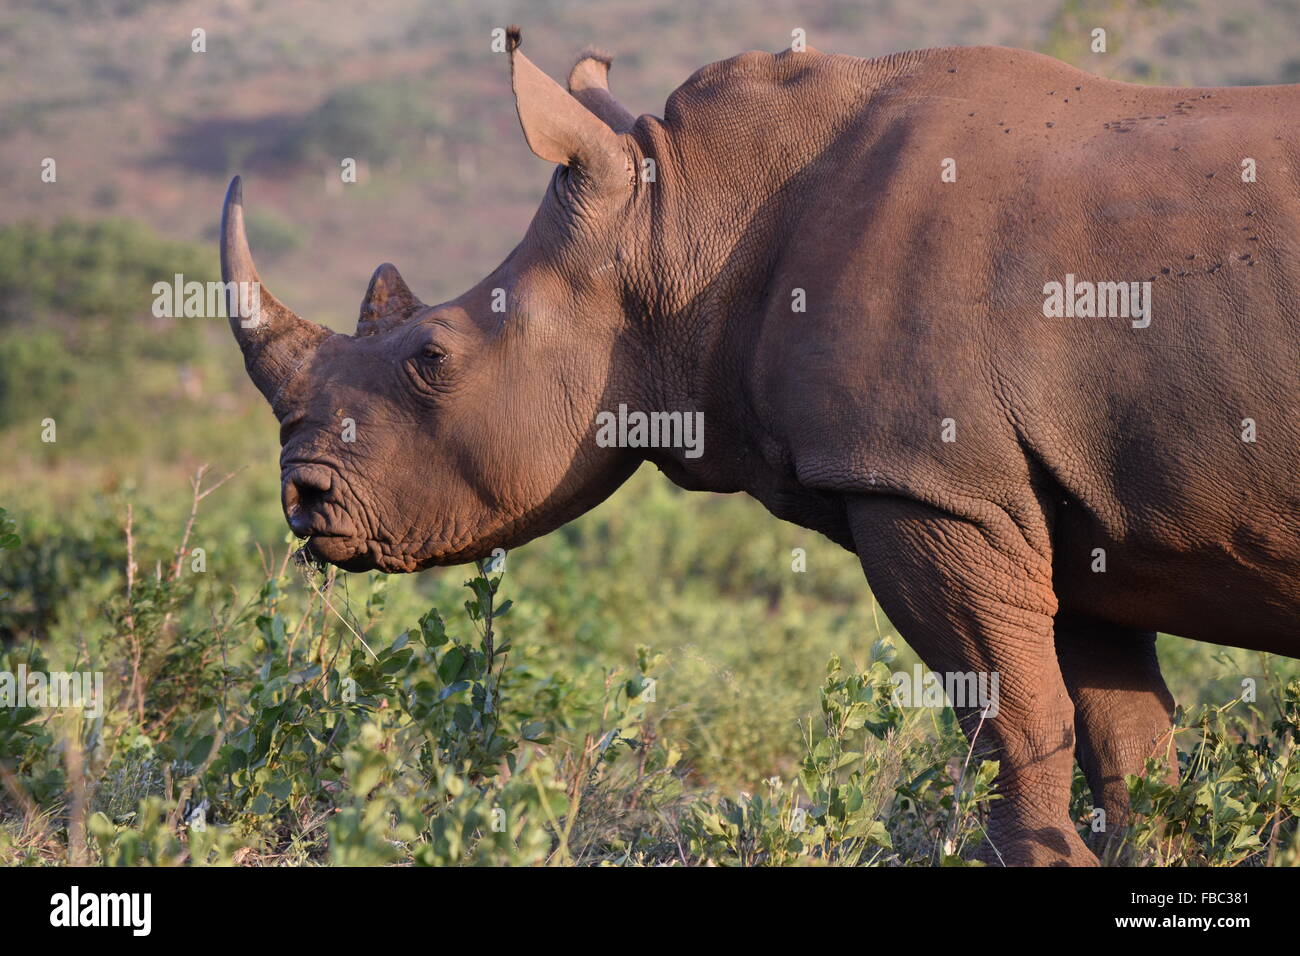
[[923, 319]]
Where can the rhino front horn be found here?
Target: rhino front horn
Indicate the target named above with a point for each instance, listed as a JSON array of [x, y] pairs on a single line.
[[274, 340]]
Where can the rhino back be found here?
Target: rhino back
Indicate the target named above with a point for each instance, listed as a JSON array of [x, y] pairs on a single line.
[[925, 305]]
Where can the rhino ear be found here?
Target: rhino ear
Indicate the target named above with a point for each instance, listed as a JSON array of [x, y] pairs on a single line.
[[389, 302], [589, 85], [558, 128]]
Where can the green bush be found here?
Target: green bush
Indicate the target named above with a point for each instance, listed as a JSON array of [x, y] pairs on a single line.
[[376, 121], [79, 344], [298, 723], [80, 270]]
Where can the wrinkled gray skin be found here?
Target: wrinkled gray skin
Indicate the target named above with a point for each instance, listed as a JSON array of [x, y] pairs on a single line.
[[475, 429]]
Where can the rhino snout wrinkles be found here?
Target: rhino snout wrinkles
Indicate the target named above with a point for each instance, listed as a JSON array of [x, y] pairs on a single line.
[[306, 495]]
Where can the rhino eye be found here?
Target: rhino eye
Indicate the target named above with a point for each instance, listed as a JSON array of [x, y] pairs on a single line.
[[427, 367]]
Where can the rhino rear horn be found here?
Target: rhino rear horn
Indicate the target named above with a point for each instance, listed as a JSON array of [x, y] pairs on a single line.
[[589, 85], [389, 301], [274, 340]]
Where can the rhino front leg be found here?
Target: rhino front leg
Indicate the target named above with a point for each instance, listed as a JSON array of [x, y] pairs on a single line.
[[1123, 712], [967, 599]]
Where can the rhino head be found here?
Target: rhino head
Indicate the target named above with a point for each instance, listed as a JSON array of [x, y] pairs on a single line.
[[436, 434]]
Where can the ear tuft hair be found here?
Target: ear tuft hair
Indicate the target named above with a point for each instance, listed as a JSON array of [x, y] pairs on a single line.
[[592, 53], [514, 38]]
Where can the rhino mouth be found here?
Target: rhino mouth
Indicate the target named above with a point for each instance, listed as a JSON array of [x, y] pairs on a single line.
[[320, 509], [313, 497], [344, 551]]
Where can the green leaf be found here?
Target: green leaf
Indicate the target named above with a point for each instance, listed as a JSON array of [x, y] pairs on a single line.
[[452, 663]]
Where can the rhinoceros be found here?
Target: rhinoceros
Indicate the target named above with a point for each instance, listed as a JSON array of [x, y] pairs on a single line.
[[1025, 340]]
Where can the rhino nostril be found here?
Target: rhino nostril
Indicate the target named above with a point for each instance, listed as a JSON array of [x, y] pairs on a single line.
[[305, 490]]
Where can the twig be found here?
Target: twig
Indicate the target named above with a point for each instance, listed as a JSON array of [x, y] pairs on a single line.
[[341, 618], [173, 817], [961, 779], [136, 690], [199, 494], [74, 758]]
